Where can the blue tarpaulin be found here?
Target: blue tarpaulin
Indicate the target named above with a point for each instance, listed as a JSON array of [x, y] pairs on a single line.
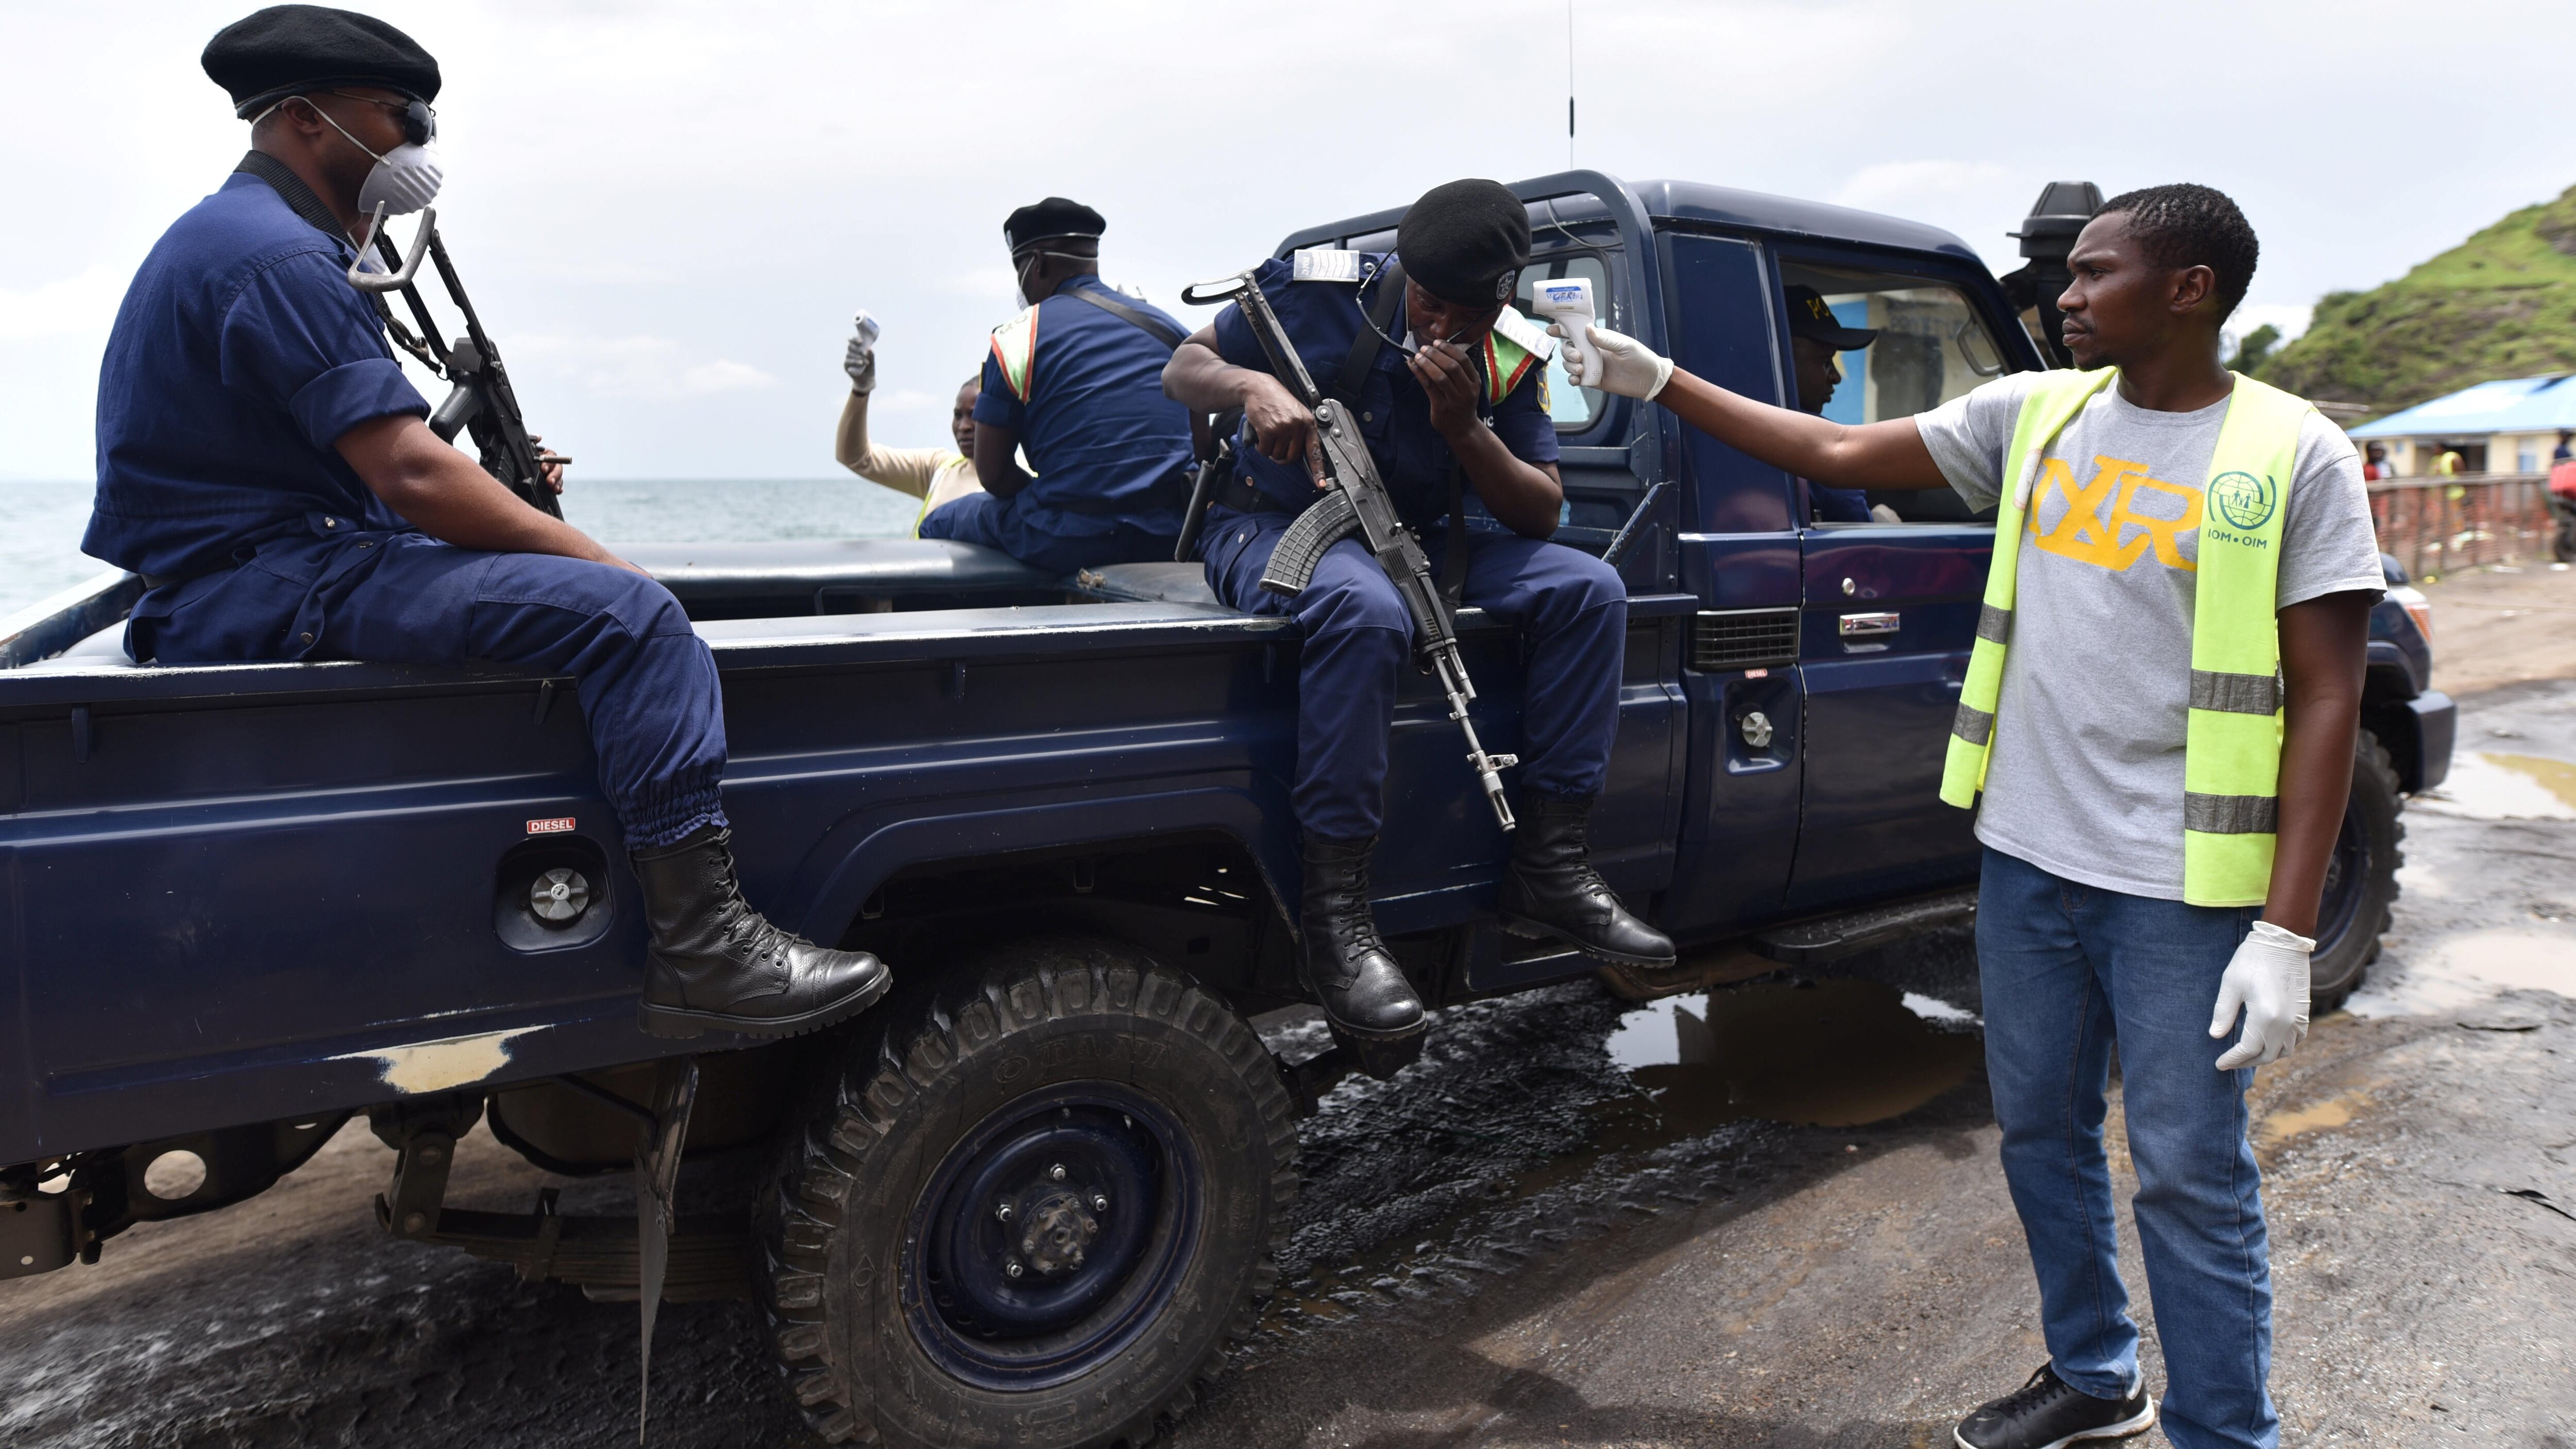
[[2509, 405]]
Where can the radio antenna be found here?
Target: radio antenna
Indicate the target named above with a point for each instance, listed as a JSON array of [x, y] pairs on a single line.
[[1569, 85]]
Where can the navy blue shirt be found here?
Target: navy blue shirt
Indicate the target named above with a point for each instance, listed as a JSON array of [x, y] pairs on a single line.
[[1321, 319], [1107, 447], [240, 355], [1838, 505]]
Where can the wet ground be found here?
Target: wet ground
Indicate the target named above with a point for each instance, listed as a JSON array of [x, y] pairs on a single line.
[[1762, 1215], [2503, 624]]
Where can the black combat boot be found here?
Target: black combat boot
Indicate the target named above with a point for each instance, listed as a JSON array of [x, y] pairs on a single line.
[[718, 963], [1354, 979], [1552, 889]]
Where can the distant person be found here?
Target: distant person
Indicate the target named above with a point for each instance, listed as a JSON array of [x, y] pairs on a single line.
[[2160, 712], [1816, 335], [2449, 464], [265, 465], [2374, 463], [2562, 498], [1076, 382], [936, 476]]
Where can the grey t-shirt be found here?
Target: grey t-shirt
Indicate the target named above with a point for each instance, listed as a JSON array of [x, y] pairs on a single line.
[[2086, 778]]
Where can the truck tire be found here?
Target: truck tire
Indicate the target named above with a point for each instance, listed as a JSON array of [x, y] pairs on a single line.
[[1066, 1081], [2361, 879]]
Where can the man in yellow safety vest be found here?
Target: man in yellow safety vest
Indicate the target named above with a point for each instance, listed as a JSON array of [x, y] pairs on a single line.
[[2160, 711]]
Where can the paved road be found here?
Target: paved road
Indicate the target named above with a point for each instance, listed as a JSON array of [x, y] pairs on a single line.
[[1862, 1286], [1574, 1223]]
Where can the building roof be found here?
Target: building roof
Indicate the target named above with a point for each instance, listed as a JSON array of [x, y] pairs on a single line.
[[2508, 405]]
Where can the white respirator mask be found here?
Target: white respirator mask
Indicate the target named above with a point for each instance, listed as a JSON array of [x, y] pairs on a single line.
[[404, 179]]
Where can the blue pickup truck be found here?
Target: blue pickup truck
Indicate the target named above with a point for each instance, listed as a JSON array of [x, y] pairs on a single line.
[[1029, 1199]]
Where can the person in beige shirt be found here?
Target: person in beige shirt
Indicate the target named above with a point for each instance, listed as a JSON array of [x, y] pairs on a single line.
[[933, 475]]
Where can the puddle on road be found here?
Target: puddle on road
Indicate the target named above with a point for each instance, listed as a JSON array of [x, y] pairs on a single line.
[[1838, 1053], [2504, 787], [2558, 777], [2464, 970], [2280, 1127]]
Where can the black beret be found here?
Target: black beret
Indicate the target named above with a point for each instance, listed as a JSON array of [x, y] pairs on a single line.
[[285, 49], [1049, 219], [1465, 242]]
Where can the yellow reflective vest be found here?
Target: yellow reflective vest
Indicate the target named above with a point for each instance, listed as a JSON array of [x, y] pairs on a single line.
[[2232, 752]]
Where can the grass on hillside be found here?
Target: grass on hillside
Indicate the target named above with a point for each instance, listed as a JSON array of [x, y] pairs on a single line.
[[2501, 304]]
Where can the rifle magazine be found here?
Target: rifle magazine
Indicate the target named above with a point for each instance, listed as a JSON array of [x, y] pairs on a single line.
[[1302, 547]]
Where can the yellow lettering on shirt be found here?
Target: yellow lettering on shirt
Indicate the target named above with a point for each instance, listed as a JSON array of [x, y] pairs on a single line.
[[2101, 525]]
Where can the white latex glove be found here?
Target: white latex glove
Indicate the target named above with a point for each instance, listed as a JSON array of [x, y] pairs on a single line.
[[1628, 367], [2268, 978], [860, 362]]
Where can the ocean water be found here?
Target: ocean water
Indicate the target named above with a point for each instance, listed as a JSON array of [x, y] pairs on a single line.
[[41, 523]]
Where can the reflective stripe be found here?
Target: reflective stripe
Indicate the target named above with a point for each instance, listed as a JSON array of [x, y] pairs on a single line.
[[1015, 346], [1974, 725], [1994, 623], [2235, 693], [2231, 814]]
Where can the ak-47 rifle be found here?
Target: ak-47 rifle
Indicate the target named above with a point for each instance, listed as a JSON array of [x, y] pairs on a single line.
[[481, 400], [1355, 502]]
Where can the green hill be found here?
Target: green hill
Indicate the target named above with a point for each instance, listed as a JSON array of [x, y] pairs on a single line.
[[2501, 304]]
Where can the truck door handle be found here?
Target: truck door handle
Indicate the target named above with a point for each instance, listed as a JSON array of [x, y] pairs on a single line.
[[1869, 626]]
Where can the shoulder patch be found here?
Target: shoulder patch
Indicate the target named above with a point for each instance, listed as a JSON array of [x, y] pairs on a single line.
[[1015, 344], [1521, 332], [1512, 347], [1323, 264]]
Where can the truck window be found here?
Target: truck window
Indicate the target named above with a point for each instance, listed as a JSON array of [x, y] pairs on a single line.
[[1574, 408], [1932, 346]]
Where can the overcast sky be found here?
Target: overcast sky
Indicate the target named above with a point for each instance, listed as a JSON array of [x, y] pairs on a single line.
[[668, 211]]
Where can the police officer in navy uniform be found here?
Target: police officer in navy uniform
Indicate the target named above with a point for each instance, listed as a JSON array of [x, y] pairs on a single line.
[[1075, 381], [265, 466], [1467, 397]]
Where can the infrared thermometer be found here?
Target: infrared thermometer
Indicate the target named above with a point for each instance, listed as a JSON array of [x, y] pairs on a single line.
[[1567, 301]]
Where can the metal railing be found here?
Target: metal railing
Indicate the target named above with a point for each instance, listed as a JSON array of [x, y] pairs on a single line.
[[2437, 525]]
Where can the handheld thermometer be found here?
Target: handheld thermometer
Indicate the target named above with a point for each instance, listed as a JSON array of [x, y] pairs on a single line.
[[1567, 301]]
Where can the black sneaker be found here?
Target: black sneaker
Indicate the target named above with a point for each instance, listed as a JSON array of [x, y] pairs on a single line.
[[2048, 1412]]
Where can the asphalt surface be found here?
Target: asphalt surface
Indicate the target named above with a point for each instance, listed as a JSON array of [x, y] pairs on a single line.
[[1763, 1215]]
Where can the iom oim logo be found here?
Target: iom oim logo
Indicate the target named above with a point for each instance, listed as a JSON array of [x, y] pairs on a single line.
[[2244, 500]]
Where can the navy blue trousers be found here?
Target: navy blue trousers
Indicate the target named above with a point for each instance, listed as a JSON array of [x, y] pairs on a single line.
[[1571, 607], [648, 686], [996, 523]]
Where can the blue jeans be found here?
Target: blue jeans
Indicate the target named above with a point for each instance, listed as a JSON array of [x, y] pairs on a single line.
[[2065, 969]]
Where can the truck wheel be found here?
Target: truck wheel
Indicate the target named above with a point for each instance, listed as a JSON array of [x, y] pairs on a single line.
[[1041, 1199], [2361, 879]]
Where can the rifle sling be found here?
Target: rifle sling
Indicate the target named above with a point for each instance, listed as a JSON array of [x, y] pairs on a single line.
[[1150, 325], [1365, 347], [290, 188]]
